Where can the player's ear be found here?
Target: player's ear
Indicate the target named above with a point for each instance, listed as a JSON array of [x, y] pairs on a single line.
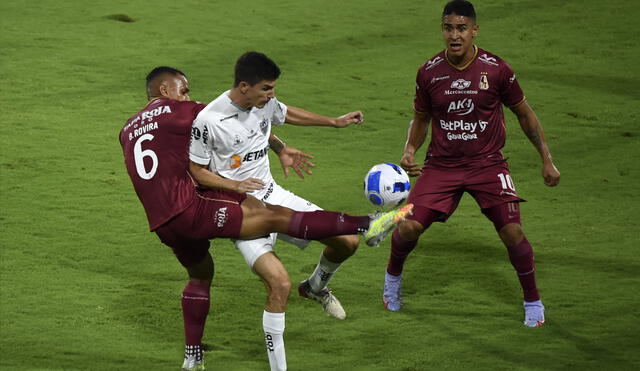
[[474, 31], [244, 86], [163, 90]]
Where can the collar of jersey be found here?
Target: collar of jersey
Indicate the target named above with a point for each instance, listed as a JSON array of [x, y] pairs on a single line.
[[226, 94], [475, 54]]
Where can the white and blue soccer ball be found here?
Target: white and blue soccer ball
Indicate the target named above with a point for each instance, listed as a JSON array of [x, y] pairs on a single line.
[[386, 185]]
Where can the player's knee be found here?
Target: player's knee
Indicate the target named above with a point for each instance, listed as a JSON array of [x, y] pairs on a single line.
[[279, 217], [280, 287], [349, 245], [202, 270], [511, 234], [410, 230]]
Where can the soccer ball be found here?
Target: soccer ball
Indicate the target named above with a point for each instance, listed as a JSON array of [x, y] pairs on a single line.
[[386, 185]]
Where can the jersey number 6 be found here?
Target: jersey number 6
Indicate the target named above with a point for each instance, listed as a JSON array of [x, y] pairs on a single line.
[[139, 154]]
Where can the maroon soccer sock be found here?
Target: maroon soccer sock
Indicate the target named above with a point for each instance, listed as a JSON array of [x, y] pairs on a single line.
[[195, 307], [321, 224], [521, 257], [400, 249]]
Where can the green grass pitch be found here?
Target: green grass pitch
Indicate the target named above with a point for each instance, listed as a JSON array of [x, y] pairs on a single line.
[[83, 286]]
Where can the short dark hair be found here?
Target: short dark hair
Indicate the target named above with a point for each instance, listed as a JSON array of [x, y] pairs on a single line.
[[253, 67], [161, 70], [459, 7]]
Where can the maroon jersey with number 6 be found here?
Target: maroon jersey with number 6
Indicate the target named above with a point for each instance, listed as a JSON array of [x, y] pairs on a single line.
[[468, 127], [155, 143]]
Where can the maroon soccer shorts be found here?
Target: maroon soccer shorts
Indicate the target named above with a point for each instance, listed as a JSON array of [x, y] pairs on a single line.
[[440, 188], [213, 214]]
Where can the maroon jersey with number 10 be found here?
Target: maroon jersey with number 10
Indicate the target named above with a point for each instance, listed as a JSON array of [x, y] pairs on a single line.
[[465, 105], [155, 143]]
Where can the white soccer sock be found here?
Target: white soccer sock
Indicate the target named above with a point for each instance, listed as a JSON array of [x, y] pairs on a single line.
[[323, 273], [273, 325]]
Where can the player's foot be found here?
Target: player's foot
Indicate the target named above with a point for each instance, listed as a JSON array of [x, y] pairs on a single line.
[[193, 358], [382, 223], [391, 295], [533, 313], [330, 304]]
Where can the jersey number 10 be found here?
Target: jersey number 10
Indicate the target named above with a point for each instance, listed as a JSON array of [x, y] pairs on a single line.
[[507, 182]]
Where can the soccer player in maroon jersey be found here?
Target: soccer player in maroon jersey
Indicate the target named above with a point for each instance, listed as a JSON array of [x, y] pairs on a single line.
[[461, 91], [155, 144]]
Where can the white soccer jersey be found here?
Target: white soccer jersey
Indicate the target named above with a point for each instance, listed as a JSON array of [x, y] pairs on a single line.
[[234, 142]]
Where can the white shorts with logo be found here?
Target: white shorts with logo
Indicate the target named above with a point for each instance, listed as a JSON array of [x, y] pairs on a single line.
[[251, 250]]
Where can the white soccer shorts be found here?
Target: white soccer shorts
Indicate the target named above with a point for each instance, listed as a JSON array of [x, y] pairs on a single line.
[[251, 250]]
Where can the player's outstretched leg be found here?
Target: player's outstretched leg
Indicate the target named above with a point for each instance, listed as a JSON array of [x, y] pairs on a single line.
[[382, 223], [259, 220]]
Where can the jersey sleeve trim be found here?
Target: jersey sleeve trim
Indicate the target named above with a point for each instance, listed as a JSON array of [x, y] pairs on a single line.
[[519, 103], [418, 111], [199, 160]]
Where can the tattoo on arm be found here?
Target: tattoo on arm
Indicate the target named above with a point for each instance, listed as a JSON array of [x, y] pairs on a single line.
[[534, 137]]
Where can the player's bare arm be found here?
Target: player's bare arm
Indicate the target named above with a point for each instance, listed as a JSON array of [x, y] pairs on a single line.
[[208, 179], [416, 136], [301, 117], [291, 157], [533, 130]]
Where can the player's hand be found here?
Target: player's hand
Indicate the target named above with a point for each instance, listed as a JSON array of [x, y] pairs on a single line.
[[297, 160], [550, 174], [249, 185], [408, 163], [349, 118]]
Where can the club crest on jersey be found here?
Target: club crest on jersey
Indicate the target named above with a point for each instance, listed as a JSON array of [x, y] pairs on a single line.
[[264, 126], [484, 82], [460, 84], [237, 140]]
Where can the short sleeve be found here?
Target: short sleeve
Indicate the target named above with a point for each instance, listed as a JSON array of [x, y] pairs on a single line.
[[421, 100], [199, 149], [279, 112], [510, 92]]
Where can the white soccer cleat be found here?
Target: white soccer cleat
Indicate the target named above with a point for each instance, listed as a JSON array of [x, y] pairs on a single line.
[[382, 223], [330, 304], [533, 313]]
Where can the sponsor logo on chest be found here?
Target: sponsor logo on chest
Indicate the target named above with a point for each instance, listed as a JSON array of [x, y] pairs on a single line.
[[460, 86], [461, 107], [238, 159]]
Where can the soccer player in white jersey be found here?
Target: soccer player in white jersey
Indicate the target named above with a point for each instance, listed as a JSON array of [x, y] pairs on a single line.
[[232, 136]]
